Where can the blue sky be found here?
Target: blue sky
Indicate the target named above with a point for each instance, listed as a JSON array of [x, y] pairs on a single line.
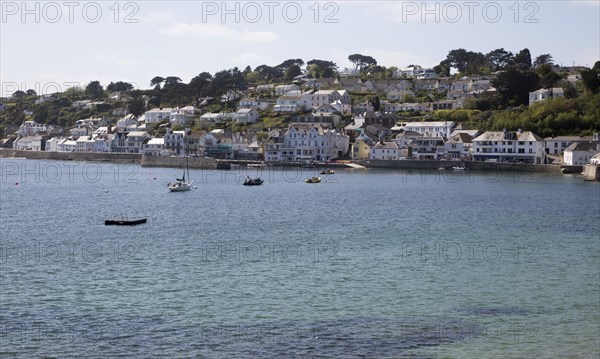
[[48, 45]]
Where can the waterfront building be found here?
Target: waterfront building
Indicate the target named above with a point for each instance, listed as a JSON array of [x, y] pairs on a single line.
[[508, 146]]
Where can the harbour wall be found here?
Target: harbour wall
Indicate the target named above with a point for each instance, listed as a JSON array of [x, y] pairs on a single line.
[[591, 172], [470, 165], [211, 163], [72, 156], [179, 162]]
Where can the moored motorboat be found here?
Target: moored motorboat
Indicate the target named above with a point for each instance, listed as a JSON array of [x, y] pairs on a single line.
[[253, 181], [327, 172], [313, 180], [457, 168]]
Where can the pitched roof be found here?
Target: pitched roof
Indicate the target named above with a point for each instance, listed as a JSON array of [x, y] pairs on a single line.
[[386, 145], [582, 146], [460, 137]]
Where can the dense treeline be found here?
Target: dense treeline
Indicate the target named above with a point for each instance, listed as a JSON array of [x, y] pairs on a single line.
[[560, 116]]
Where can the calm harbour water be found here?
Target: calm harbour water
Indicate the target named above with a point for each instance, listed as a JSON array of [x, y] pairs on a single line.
[[373, 264]]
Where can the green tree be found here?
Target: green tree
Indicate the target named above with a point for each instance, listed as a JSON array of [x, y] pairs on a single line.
[[498, 59], [19, 95], [171, 81], [548, 78], [591, 79], [544, 59], [361, 62], [94, 90], [157, 81], [287, 63], [136, 105], [119, 86], [523, 59], [323, 68], [201, 86], [268, 74], [443, 69], [514, 86], [292, 71]]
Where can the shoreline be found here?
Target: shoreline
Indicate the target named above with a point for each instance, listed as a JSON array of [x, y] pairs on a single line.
[[211, 163]]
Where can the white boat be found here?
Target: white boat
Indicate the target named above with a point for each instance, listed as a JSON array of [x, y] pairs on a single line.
[[258, 165], [180, 186], [184, 183], [456, 168]]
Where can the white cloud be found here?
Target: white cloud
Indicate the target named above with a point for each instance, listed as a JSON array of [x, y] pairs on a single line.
[[216, 31]]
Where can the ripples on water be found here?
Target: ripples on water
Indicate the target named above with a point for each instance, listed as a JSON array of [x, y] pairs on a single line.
[[372, 264]]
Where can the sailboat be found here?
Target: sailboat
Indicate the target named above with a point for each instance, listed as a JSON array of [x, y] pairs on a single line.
[[184, 183]]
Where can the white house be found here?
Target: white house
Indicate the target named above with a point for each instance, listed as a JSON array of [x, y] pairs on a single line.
[[254, 103], [212, 117], [135, 140], [153, 146], [81, 103], [246, 115], [29, 128], [180, 118], [293, 103], [399, 95], [580, 153], [432, 129], [52, 144], [428, 148], [544, 94], [84, 144], [102, 143], [79, 131], [127, 121], [188, 110], [426, 74], [273, 149], [29, 143], [342, 107], [458, 146], [313, 143], [67, 146], [322, 97], [284, 89], [384, 151], [407, 106], [556, 145], [174, 141], [507, 146], [158, 115], [426, 85]]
